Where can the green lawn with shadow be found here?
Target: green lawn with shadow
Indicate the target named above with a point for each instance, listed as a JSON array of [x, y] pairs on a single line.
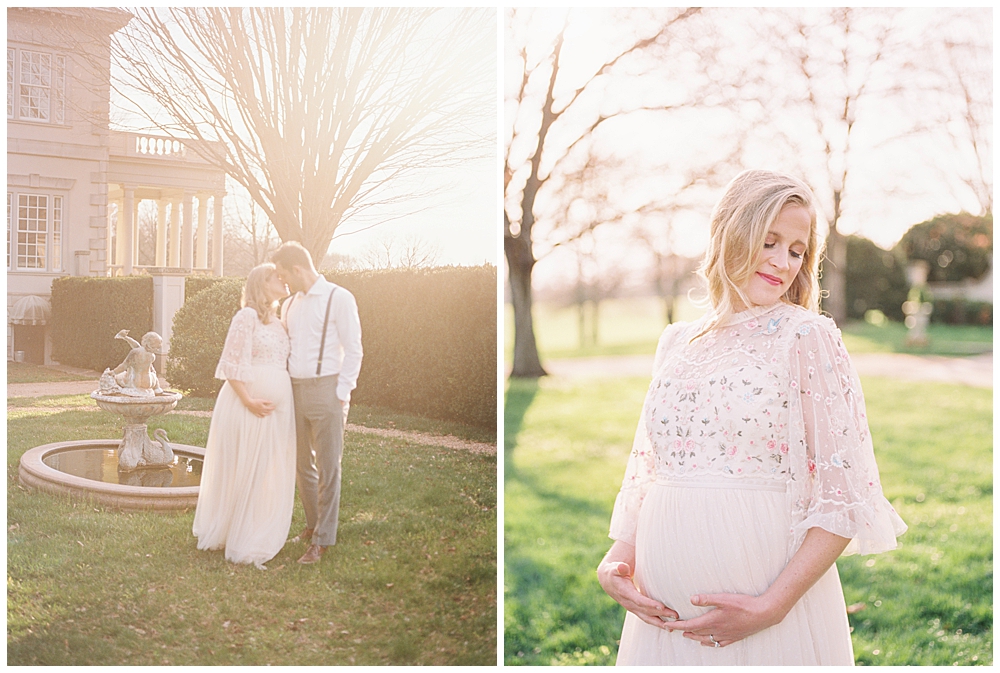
[[927, 603]]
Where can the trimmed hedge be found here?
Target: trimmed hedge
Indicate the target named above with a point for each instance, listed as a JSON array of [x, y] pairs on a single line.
[[430, 340], [87, 313], [429, 337]]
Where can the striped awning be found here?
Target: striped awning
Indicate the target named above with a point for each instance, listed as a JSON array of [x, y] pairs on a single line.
[[30, 310]]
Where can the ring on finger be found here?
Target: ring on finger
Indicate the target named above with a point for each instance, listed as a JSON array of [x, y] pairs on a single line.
[[715, 643]]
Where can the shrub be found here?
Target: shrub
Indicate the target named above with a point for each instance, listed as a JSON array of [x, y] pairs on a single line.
[[199, 333], [962, 312], [195, 284], [957, 246], [429, 337], [87, 313], [875, 279]]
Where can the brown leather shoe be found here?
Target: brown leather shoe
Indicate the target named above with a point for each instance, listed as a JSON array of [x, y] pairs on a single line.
[[312, 555], [305, 536]]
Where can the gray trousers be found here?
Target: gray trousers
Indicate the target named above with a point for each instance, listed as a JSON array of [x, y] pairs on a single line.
[[319, 427]]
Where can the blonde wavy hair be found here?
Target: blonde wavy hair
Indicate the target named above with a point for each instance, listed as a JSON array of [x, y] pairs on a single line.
[[254, 294], [739, 227]]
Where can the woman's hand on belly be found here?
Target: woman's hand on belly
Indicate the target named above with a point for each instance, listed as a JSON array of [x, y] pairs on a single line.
[[737, 616], [615, 576], [733, 617]]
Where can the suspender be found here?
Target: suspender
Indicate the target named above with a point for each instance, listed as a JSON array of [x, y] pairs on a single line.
[[322, 339], [326, 321]]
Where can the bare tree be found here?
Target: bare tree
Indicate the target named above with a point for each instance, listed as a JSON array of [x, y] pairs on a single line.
[[541, 102], [318, 113], [829, 64], [961, 58], [411, 252], [249, 237]]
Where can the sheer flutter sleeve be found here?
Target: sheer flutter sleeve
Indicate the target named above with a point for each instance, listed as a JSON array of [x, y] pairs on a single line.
[[640, 471], [237, 354], [835, 484]]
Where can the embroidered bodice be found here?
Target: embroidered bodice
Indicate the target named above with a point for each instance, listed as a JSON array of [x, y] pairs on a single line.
[[251, 342], [769, 398]]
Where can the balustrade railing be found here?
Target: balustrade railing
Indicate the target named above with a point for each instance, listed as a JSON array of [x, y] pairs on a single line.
[[159, 146], [145, 145]]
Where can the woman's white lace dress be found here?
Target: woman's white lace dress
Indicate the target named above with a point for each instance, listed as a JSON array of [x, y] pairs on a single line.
[[749, 436], [248, 479]]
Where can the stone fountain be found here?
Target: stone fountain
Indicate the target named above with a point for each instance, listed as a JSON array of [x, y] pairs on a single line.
[[150, 474], [132, 391]]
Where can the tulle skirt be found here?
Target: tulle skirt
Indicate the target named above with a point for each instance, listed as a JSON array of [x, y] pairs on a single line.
[[704, 538], [248, 479]]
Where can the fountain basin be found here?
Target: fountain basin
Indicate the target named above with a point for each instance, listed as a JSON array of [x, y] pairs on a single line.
[[137, 409], [35, 471]]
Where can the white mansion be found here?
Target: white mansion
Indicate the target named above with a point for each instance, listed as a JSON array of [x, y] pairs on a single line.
[[74, 186]]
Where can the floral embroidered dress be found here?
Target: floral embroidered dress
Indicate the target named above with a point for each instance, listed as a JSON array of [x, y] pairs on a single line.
[[248, 479], [750, 435]]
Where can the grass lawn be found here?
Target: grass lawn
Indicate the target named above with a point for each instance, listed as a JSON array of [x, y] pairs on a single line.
[[890, 337], [412, 579], [928, 603], [25, 372], [632, 327]]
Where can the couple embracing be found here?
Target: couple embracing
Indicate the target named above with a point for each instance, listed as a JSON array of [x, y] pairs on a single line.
[[279, 418]]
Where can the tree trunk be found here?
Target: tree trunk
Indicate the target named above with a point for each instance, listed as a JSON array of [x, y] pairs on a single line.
[[521, 263], [834, 279], [835, 267], [595, 316]]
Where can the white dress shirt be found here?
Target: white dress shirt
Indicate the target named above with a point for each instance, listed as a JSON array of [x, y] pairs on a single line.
[[303, 314]]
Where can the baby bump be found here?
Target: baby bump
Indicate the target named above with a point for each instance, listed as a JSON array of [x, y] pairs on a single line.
[[702, 540]]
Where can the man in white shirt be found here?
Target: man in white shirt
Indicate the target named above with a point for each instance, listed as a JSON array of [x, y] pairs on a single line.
[[325, 359]]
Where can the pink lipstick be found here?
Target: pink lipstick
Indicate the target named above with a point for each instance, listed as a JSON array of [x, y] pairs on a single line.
[[772, 280]]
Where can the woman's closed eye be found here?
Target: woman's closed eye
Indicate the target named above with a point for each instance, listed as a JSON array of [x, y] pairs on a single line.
[[794, 253]]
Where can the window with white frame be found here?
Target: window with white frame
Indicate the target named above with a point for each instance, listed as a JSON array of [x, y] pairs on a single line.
[[34, 232], [36, 86]]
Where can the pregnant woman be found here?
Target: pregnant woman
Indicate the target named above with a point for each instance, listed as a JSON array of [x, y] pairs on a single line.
[[248, 481], [752, 468]]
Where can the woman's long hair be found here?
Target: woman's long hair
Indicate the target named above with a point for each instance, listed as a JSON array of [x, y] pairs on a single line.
[[254, 294], [739, 227]]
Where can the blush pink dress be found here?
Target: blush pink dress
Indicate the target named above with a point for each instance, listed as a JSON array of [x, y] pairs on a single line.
[[248, 480], [750, 435]]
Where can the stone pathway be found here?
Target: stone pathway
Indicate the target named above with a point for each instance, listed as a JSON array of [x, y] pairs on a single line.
[[976, 370], [87, 387]]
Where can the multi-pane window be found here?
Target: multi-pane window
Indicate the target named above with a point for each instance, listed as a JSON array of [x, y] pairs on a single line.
[[10, 199], [34, 231], [10, 82], [37, 80]]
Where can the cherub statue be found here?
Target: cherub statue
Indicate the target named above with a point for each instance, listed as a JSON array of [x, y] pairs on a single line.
[[135, 375]]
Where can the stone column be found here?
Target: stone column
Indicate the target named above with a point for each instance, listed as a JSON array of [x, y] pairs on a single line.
[[161, 233], [119, 232], [128, 244], [135, 232], [187, 233], [217, 233], [168, 296], [174, 259], [202, 249]]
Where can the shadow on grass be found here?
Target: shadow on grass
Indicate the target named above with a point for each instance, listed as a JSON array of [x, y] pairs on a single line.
[[554, 614], [520, 394]]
